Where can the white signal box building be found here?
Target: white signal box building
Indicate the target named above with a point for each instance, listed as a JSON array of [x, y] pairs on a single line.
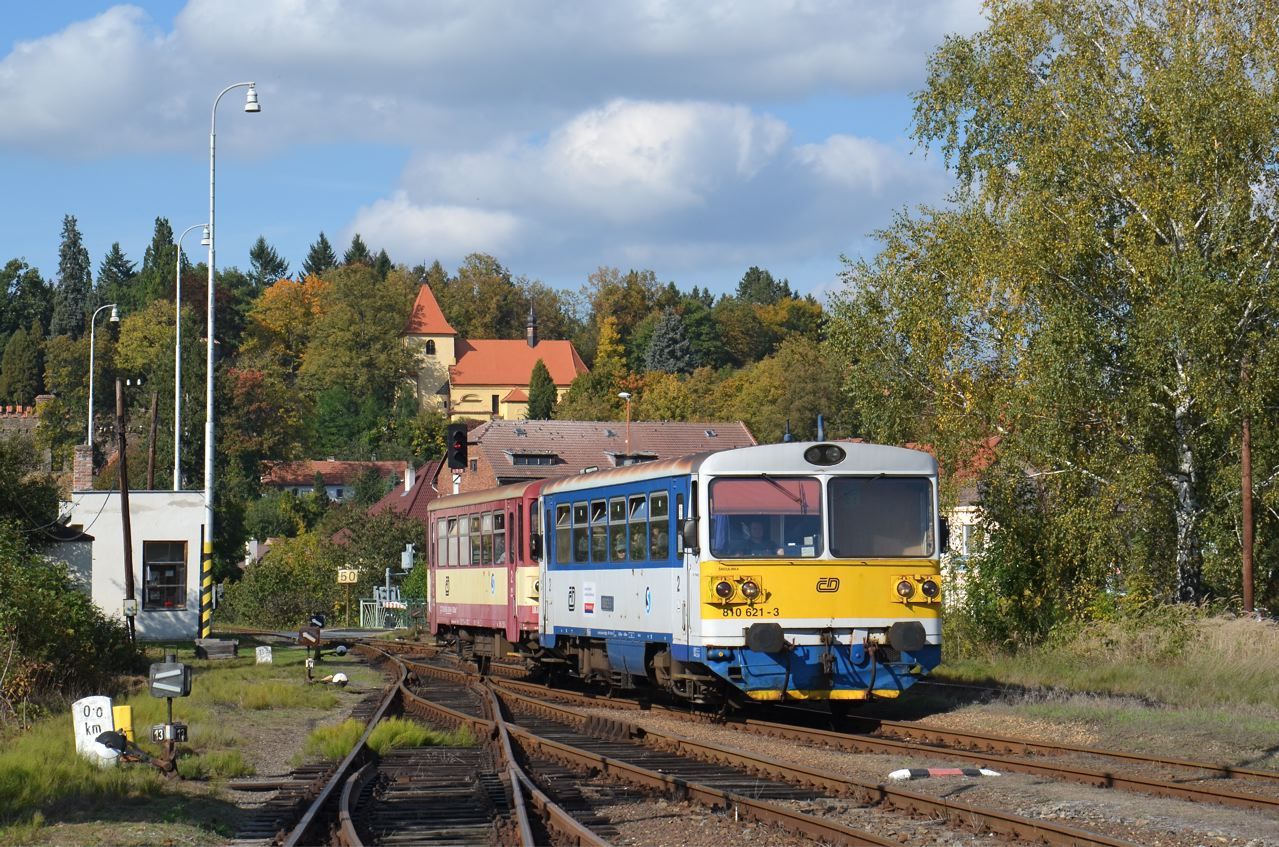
[[167, 542]]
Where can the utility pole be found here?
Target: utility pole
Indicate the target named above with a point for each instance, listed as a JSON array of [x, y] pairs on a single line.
[[125, 524], [1245, 492], [155, 414]]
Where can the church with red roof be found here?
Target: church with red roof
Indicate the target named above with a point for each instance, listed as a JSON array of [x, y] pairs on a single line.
[[477, 378]]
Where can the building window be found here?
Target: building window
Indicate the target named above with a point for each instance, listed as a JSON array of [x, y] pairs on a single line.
[[164, 575], [430, 347], [475, 464], [533, 459], [496, 400], [337, 494]]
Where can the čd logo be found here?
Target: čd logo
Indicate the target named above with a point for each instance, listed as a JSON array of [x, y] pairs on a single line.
[[828, 584]]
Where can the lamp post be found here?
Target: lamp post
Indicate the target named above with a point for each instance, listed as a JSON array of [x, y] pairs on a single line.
[[115, 318], [177, 357], [206, 561], [626, 395]]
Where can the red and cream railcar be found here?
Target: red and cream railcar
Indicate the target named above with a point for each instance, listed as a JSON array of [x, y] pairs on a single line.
[[484, 569]]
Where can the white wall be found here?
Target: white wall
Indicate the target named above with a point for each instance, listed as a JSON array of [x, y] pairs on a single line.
[[154, 516]]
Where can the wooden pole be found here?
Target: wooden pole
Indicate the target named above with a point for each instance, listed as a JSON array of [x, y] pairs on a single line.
[[125, 524], [155, 414], [1245, 491]]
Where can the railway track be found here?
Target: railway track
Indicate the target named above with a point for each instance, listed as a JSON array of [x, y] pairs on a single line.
[[556, 762], [975, 750]]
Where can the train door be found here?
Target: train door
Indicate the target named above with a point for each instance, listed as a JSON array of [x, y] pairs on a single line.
[[685, 574]]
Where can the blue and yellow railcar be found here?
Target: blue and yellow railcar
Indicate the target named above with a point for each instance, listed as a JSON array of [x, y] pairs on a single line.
[[801, 571]]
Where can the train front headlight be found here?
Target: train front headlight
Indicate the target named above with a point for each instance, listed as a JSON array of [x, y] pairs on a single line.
[[930, 588], [750, 589], [905, 589], [723, 589]]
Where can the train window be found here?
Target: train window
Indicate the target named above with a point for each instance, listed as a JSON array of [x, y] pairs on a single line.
[[659, 542], [581, 533], [599, 531], [563, 541], [617, 529], [881, 517], [454, 531], [441, 542], [766, 517], [639, 528], [474, 523], [499, 538], [486, 538]]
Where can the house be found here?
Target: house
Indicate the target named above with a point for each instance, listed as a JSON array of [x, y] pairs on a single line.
[[503, 451], [166, 536], [481, 379], [415, 495], [339, 477]]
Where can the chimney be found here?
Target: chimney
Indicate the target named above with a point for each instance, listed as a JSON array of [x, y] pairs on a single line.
[[82, 468], [410, 477], [530, 328]]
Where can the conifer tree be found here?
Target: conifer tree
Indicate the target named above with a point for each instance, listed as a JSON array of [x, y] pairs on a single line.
[[20, 369], [758, 286], [319, 258], [266, 266], [114, 273], [382, 264], [541, 393], [27, 298], [357, 253], [669, 350], [74, 295]]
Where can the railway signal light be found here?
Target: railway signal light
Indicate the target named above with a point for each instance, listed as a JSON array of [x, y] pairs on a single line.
[[456, 441]]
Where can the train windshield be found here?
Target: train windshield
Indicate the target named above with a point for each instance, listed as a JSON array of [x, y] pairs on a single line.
[[881, 517], [766, 517]]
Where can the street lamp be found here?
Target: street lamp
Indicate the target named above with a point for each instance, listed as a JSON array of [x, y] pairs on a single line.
[[177, 357], [206, 561], [115, 318], [626, 395]]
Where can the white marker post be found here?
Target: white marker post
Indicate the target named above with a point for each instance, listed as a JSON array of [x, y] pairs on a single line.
[[92, 717], [264, 655]]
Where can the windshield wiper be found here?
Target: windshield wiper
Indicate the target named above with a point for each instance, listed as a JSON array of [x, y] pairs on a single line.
[[802, 501]]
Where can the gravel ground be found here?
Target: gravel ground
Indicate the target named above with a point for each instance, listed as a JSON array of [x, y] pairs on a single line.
[[1134, 817]]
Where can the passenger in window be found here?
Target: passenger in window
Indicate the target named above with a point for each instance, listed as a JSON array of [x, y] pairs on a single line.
[[661, 547], [757, 541]]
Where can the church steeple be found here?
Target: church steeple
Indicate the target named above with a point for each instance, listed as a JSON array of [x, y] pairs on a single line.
[[530, 328]]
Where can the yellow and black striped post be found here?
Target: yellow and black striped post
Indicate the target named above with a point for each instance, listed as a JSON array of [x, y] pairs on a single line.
[[206, 590]]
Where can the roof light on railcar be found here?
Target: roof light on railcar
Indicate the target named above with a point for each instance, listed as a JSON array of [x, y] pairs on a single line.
[[824, 454]]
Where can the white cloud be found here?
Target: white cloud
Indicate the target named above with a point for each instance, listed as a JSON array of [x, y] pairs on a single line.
[[677, 187], [413, 233], [459, 72]]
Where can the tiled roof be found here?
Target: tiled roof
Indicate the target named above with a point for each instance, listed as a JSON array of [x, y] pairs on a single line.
[[414, 502], [333, 472], [427, 318], [510, 362], [578, 445], [516, 395]]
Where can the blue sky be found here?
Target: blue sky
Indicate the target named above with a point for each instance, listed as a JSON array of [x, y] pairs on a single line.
[[694, 140]]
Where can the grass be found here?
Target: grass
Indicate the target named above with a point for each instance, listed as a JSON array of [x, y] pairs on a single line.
[[49, 795], [398, 733], [1171, 682], [1198, 663], [217, 764], [332, 743]]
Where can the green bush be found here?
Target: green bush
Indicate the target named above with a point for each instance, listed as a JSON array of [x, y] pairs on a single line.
[[56, 644]]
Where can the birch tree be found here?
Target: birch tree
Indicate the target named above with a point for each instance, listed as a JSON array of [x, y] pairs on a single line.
[[1098, 281]]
